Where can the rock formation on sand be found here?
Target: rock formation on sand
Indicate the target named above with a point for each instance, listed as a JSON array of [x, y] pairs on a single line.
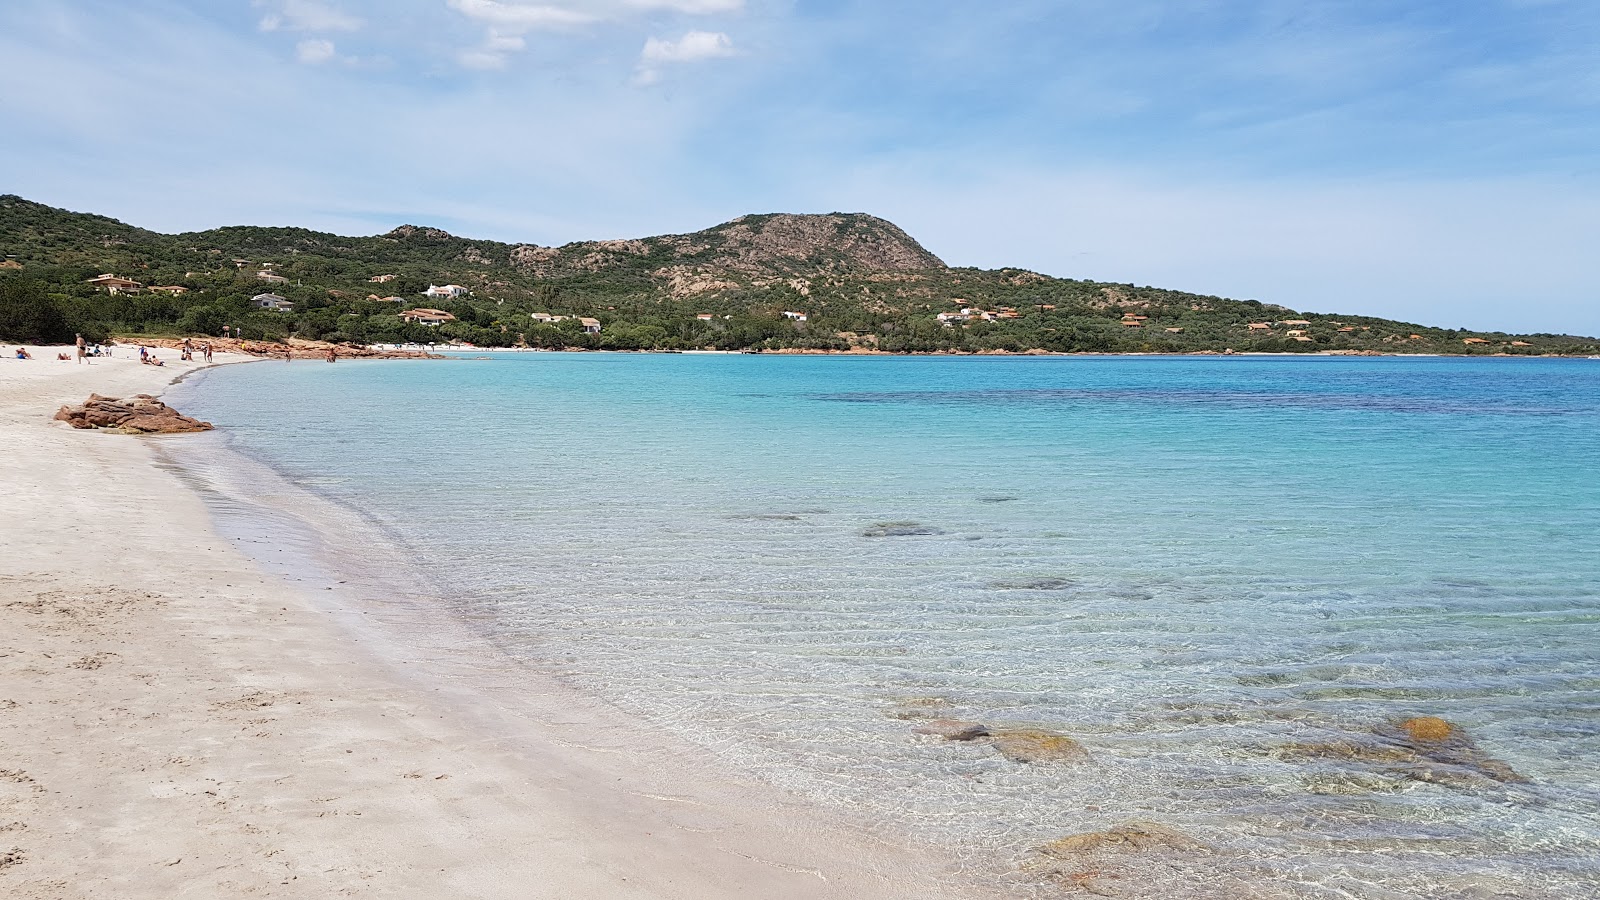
[[140, 414]]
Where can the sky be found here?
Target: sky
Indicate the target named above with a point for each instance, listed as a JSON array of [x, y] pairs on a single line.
[[1437, 162]]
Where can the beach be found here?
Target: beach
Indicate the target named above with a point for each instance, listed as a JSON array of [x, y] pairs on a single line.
[[180, 723]]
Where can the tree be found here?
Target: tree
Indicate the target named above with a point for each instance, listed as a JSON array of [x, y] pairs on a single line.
[[27, 313]]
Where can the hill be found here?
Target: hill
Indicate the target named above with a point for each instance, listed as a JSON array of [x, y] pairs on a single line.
[[841, 281]]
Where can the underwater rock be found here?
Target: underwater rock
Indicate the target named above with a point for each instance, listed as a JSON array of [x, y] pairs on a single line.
[[953, 729], [1035, 745], [1132, 836], [1037, 584], [1423, 748], [920, 708], [900, 529], [1428, 729]]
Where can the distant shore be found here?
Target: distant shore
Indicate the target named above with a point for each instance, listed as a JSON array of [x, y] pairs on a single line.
[[179, 722]]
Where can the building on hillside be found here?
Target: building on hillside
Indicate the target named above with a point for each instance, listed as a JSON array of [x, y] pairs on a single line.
[[1260, 326], [429, 317], [1175, 330], [382, 279], [1132, 323], [390, 299], [173, 289], [272, 302], [445, 291], [114, 284], [705, 317], [797, 316], [271, 278], [590, 326]]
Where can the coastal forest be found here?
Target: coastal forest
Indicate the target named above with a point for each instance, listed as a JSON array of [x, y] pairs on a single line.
[[780, 282]]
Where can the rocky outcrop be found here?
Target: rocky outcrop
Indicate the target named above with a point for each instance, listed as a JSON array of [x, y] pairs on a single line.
[[1035, 745], [1132, 836], [1422, 748], [140, 414], [854, 242], [766, 249], [953, 729]]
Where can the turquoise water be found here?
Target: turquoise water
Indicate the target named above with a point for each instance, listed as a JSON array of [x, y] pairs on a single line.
[[1208, 571]]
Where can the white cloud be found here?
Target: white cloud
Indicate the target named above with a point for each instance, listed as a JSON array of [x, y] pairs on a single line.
[[492, 54], [514, 17], [306, 15], [314, 51], [521, 16], [690, 7], [692, 47]]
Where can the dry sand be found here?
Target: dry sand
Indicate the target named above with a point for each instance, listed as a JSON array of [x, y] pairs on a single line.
[[174, 722]]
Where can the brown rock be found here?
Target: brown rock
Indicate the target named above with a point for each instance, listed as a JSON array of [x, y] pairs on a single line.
[[953, 729], [1035, 745], [1428, 729], [142, 414], [1132, 836]]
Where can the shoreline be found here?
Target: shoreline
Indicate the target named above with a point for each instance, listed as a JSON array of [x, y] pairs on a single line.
[[187, 723]]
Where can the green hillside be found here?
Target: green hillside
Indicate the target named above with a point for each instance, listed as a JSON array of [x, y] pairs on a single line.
[[859, 281]]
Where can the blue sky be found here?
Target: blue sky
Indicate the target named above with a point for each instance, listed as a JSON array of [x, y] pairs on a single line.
[[1434, 161]]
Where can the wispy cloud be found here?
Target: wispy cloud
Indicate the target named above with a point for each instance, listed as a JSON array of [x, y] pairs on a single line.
[[497, 46], [305, 15], [314, 51], [695, 46], [506, 19], [689, 7], [521, 16]]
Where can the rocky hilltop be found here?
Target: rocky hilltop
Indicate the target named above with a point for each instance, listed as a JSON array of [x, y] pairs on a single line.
[[761, 246]]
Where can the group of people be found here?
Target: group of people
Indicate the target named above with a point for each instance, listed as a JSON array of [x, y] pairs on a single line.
[[188, 350]]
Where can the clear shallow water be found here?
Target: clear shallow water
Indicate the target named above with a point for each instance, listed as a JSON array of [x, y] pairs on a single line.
[[1199, 568]]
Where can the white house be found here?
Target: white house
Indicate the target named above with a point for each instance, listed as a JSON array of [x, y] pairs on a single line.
[[272, 302], [445, 291], [590, 326], [797, 316], [430, 317], [115, 285]]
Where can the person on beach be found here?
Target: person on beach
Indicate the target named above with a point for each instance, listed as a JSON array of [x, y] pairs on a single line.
[[83, 349], [22, 353], [144, 355], [333, 355], [205, 351]]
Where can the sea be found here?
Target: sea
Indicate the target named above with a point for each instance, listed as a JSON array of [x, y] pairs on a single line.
[[1230, 580]]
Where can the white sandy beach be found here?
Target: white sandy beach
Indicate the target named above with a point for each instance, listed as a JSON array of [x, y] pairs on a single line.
[[174, 722]]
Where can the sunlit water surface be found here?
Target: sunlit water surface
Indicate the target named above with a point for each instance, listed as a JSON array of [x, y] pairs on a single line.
[[1207, 571]]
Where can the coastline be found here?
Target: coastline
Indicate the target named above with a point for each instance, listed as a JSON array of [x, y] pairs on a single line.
[[185, 722]]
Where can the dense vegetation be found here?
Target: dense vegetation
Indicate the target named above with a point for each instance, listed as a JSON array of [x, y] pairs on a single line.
[[861, 283]]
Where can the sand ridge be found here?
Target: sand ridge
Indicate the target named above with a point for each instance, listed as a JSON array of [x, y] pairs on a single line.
[[174, 723]]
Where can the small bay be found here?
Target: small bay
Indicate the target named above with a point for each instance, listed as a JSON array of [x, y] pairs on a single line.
[[1217, 575]]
